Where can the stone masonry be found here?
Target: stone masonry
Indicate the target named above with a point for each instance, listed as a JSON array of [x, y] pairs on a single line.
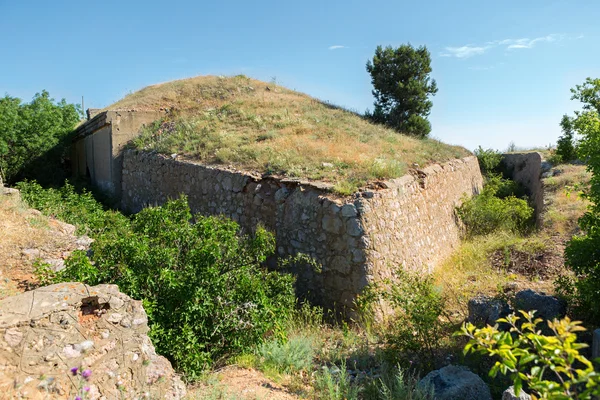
[[359, 239]]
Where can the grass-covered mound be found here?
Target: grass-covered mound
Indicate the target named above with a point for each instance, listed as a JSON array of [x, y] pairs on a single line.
[[266, 128]]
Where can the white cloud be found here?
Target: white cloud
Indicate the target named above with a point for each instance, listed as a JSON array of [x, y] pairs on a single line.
[[526, 43], [464, 51], [470, 50], [337, 47]]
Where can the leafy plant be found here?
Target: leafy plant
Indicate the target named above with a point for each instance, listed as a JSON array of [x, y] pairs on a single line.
[[34, 137], [550, 367], [582, 253], [203, 285], [487, 212], [414, 330], [401, 87], [489, 160]]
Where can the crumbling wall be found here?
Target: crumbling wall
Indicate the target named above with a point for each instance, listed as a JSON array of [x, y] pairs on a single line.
[[526, 169], [356, 239]]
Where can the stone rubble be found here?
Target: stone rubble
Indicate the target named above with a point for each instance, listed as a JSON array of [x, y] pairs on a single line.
[[47, 332]]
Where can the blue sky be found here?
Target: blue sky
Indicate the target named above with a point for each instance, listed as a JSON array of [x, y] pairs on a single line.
[[503, 68]]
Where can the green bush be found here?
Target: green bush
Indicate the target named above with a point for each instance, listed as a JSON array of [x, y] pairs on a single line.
[[77, 208], [487, 212], [34, 137], [414, 331], [549, 367], [203, 286], [489, 160], [582, 252]]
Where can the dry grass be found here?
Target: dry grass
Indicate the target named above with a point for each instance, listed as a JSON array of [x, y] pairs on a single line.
[[266, 128], [20, 229]]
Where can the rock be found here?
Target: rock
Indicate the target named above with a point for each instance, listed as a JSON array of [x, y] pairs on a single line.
[[455, 383], [48, 331], [84, 242], [56, 264], [31, 254], [546, 166], [547, 307], [509, 394], [484, 310], [349, 210]]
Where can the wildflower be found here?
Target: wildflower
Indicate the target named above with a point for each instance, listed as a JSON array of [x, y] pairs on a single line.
[[86, 374], [74, 370], [77, 398], [86, 388]]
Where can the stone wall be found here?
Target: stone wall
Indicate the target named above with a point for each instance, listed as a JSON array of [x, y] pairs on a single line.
[[526, 169], [357, 239]]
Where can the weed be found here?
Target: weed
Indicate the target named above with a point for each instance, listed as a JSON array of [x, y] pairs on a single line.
[[293, 355]]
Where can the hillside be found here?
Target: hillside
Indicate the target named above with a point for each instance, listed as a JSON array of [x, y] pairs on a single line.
[[268, 129]]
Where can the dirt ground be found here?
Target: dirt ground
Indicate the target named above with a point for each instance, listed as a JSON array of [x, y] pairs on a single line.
[[239, 383], [27, 237]]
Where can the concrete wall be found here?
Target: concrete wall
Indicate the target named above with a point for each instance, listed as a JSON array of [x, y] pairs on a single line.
[[97, 151], [526, 169], [357, 239]]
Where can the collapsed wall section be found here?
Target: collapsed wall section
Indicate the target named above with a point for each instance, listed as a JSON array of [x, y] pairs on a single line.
[[356, 239]]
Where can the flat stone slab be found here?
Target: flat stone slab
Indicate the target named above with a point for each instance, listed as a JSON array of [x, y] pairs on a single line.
[[47, 332]]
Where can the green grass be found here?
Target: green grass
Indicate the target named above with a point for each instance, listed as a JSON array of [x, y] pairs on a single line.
[[269, 129]]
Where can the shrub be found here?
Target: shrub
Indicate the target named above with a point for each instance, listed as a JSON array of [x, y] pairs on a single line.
[[203, 286], [581, 253], [489, 160], [486, 212], [414, 331], [550, 367], [34, 137], [292, 355]]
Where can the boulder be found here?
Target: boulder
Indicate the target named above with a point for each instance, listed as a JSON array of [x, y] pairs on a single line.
[[60, 340], [484, 310], [547, 307], [509, 394], [455, 383]]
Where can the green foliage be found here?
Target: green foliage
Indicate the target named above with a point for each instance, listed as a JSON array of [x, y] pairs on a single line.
[[203, 286], [581, 253], [550, 367], [565, 146], [393, 384], [414, 331], [335, 386], [34, 137], [489, 160], [79, 208], [496, 208], [402, 86], [292, 355]]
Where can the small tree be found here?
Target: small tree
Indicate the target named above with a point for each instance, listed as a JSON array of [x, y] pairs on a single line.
[[402, 87], [565, 147], [33, 136]]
